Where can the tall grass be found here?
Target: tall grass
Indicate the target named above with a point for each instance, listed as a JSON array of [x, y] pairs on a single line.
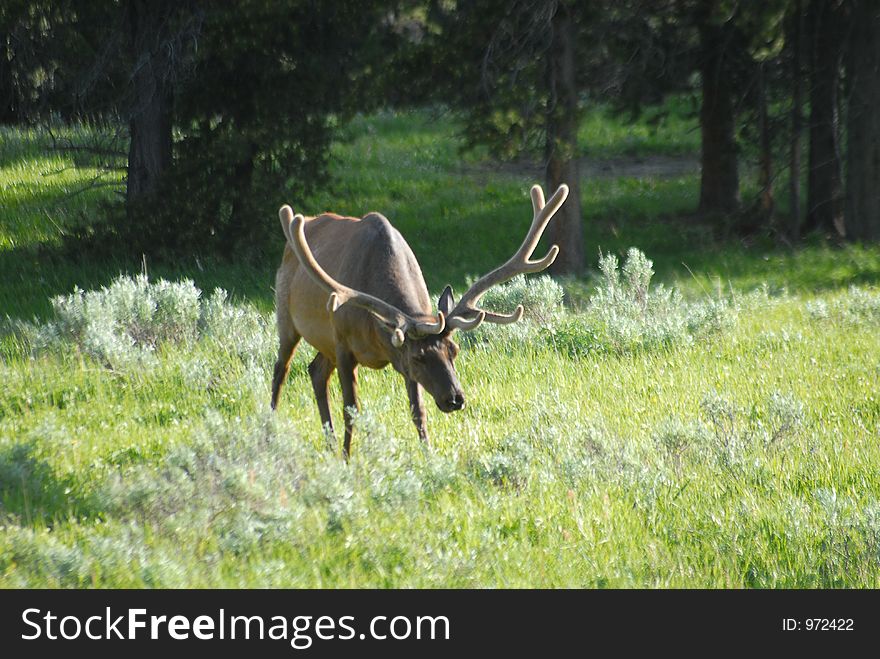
[[710, 425], [721, 459]]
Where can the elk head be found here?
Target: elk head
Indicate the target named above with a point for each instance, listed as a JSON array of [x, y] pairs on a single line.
[[356, 326]]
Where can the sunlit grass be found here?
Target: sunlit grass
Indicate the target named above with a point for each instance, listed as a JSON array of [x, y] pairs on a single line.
[[45, 192], [744, 456], [560, 472]]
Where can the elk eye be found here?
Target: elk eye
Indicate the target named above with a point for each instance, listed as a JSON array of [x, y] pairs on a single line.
[[419, 358]]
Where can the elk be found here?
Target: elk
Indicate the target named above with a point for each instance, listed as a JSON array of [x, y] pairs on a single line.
[[352, 288]]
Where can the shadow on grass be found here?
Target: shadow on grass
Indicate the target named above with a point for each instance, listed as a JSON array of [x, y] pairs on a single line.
[[21, 144], [32, 491], [696, 256], [450, 248], [33, 276]]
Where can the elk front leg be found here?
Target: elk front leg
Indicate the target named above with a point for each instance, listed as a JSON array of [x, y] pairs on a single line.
[[417, 408], [320, 371], [347, 367]]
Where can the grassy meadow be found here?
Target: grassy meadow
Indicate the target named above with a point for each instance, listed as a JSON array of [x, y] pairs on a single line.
[[706, 418]]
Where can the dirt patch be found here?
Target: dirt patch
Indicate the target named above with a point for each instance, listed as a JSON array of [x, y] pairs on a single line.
[[651, 166]]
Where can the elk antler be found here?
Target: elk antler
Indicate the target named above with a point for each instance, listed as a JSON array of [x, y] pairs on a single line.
[[466, 315], [400, 323]]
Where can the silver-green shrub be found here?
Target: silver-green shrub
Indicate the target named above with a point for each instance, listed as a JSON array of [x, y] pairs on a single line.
[[242, 330], [123, 324], [676, 438], [542, 302], [625, 313], [509, 464], [858, 305], [237, 479], [738, 432]]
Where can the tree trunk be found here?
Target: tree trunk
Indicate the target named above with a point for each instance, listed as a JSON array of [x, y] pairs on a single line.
[[8, 104], [719, 180], [242, 217], [794, 184], [566, 229], [824, 182], [765, 171], [863, 124], [150, 121]]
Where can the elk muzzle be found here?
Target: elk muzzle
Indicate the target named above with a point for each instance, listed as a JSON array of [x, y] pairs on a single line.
[[430, 362], [452, 402]]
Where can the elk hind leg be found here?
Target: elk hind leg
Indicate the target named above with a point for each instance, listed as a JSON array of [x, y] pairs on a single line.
[[288, 340]]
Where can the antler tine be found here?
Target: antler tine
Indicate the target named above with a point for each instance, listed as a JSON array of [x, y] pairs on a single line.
[[519, 263], [403, 323]]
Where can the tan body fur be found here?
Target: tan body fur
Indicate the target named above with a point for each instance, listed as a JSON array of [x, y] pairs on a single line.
[[368, 253], [339, 245], [353, 289]]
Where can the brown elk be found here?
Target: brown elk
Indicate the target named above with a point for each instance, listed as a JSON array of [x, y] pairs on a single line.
[[387, 318]]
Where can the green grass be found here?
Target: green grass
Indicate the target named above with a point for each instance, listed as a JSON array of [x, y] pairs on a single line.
[[672, 129], [669, 465]]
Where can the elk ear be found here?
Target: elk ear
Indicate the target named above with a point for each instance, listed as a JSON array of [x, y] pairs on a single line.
[[398, 336], [446, 301]]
